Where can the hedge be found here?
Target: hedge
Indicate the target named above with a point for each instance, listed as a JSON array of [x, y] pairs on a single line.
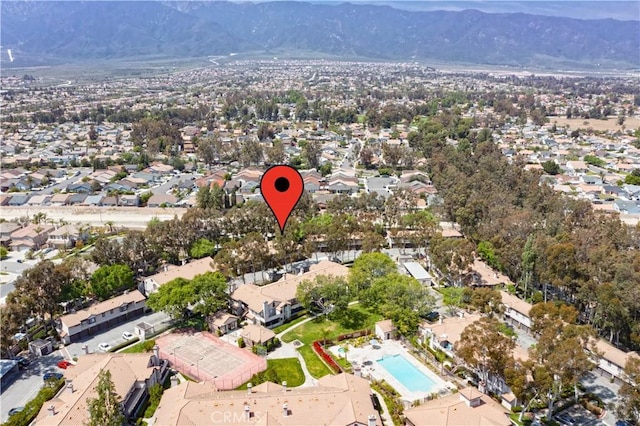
[[32, 408], [333, 365]]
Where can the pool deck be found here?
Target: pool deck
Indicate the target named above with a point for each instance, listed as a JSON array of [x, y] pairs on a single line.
[[358, 356]]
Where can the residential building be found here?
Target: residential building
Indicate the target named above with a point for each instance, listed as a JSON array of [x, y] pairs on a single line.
[[131, 374], [385, 330], [31, 237], [340, 400], [223, 322], [612, 361], [516, 311], [187, 271], [67, 236], [446, 333], [468, 407], [274, 304], [6, 229], [256, 335], [101, 316]]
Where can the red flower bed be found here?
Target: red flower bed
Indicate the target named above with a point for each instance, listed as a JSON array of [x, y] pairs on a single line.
[[317, 347]]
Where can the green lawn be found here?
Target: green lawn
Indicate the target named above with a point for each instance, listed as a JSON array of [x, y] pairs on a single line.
[[141, 347], [356, 318], [280, 370], [279, 329], [317, 368]]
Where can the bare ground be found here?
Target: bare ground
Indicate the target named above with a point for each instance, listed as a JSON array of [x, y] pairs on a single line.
[[127, 217], [600, 125]]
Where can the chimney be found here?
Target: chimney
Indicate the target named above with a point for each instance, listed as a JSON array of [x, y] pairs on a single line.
[[284, 387], [156, 352], [174, 381], [285, 410], [70, 387], [247, 412], [249, 388], [52, 410], [371, 420], [357, 371]]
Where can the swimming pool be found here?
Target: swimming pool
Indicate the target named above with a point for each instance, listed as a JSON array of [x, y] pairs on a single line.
[[407, 374]]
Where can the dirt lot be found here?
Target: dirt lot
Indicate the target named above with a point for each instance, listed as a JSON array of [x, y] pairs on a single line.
[[602, 125], [127, 217]]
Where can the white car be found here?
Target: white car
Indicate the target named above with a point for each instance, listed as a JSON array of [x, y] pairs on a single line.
[[104, 347], [127, 336]]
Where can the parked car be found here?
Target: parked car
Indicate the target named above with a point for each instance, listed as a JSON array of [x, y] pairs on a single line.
[[64, 364], [22, 361], [15, 410], [105, 347], [127, 336], [52, 376], [432, 316], [565, 419]]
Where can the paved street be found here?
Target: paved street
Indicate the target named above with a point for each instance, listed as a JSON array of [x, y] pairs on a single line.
[[114, 336], [27, 383]]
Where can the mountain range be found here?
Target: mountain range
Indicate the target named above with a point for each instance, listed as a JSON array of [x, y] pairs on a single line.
[[52, 31]]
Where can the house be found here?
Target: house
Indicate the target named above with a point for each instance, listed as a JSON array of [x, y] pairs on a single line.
[[340, 400], [67, 236], [161, 200], [385, 330], [80, 187], [18, 200], [130, 200], [101, 316], [39, 200], [93, 200], [131, 374], [274, 304], [187, 271], [516, 311], [468, 407], [31, 237], [60, 199], [6, 229], [223, 322], [256, 335]]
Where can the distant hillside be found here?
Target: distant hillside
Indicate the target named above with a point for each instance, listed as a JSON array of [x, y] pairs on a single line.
[[119, 29]]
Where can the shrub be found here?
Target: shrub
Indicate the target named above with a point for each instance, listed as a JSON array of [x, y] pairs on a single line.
[[241, 343]]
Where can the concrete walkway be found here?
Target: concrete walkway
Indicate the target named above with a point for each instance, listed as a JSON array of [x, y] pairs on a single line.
[[386, 415], [287, 350]]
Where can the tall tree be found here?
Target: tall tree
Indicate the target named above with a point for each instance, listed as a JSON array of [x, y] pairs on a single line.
[[105, 409], [482, 346], [629, 404], [367, 268]]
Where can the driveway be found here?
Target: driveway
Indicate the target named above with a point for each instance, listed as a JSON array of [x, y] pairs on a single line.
[[114, 336]]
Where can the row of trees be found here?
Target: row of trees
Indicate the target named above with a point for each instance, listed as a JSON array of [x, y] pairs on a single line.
[[564, 352], [552, 246]]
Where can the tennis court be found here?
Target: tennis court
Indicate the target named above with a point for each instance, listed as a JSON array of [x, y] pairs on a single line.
[[205, 357]]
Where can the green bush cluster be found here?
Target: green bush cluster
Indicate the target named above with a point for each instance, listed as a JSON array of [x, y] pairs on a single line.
[[391, 400], [32, 408], [125, 344]]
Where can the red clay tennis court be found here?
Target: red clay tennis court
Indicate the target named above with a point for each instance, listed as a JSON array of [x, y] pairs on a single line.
[[205, 357]]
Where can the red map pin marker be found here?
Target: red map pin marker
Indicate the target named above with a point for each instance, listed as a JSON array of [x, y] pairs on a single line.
[[281, 188]]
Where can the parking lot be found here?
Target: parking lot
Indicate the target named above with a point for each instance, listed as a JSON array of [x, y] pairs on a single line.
[[113, 337], [577, 415], [27, 382]]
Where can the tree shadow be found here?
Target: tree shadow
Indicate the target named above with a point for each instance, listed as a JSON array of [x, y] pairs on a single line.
[[352, 319]]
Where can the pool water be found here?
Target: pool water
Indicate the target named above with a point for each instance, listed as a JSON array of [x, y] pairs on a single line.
[[407, 374]]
